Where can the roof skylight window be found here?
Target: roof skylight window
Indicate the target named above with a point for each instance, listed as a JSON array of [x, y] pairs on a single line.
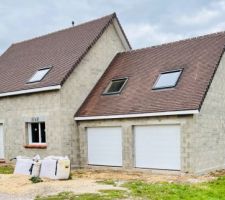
[[39, 75], [115, 86], [167, 79]]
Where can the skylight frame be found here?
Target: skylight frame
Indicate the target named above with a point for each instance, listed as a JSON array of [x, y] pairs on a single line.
[[48, 68], [169, 86], [110, 84]]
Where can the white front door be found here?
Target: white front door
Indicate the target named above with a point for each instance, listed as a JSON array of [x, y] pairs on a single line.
[[1, 142], [157, 146], [105, 146]]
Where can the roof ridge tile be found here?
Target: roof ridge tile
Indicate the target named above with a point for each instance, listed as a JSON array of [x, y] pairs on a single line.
[[177, 41], [110, 16]]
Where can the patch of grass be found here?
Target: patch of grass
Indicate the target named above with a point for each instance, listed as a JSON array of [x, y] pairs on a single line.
[[6, 169], [35, 179], [107, 182], [113, 194], [214, 190], [103, 195], [62, 195]]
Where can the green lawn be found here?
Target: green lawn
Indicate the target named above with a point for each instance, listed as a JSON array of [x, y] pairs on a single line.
[[104, 195], [6, 169], [214, 190]]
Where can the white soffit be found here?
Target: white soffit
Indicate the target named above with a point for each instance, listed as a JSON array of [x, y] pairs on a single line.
[[35, 90], [184, 112]]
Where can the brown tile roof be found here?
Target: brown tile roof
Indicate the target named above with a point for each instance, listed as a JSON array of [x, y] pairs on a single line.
[[199, 58], [63, 50]]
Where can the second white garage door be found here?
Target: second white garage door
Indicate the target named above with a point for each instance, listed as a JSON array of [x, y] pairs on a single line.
[[157, 147], [105, 146]]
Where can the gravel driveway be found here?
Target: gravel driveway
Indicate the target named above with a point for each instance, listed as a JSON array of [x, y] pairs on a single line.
[[12, 197], [15, 187]]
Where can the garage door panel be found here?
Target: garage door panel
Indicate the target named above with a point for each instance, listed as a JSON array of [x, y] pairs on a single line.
[[105, 146], [157, 147]]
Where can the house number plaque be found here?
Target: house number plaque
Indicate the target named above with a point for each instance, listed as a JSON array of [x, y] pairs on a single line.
[[35, 119]]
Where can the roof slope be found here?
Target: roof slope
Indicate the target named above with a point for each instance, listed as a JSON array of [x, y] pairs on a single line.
[[63, 50], [199, 58]]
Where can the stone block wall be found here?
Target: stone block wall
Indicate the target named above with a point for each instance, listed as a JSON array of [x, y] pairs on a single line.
[[16, 111], [208, 132]]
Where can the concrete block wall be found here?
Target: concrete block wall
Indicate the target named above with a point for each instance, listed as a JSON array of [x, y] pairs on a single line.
[[208, 132], [16, 111]]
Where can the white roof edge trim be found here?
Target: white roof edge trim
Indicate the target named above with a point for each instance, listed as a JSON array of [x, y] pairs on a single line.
[[182, 112], [19, 92], [120, 34]]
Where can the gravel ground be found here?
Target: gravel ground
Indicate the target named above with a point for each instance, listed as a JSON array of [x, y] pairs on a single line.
[[12, 197], [151, 177], [16, 187]]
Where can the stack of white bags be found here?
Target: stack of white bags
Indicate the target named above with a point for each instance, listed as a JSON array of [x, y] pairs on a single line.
[[53, 167]]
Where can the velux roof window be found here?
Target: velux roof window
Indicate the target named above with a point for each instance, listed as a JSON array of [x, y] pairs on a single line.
[[115, 86], [39, 75], [167, 79]]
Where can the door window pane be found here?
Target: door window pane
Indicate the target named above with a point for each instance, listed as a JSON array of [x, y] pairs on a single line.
[[35, 132], [43, 140]]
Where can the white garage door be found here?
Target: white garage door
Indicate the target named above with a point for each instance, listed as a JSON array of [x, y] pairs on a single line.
[[1, 142], [157, 147], [105, 146]]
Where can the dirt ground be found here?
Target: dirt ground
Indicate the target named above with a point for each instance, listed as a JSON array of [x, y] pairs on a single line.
[[85, 181], [20, 187], [145, 176]]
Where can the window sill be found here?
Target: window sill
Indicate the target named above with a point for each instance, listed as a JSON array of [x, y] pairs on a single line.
[[36, 146]]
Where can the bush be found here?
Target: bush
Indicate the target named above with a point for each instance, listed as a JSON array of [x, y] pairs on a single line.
[[35, 179]]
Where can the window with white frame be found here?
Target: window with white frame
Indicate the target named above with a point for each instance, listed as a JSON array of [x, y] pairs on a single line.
[[36, 132]]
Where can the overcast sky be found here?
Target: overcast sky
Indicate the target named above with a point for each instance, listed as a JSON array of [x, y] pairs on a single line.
[[146, 22]]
